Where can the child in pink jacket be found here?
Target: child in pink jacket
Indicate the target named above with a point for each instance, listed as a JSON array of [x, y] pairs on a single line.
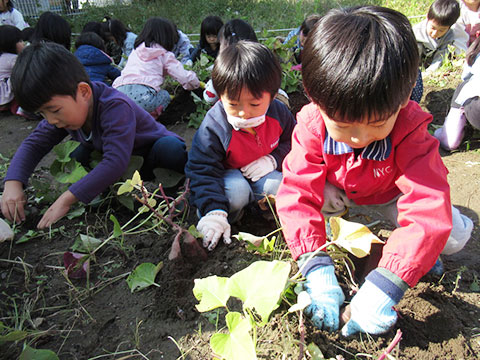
[[149, 63]]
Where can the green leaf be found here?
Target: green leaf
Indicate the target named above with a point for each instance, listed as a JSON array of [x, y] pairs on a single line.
[[238, 344], [127, 201], [30, 234], [117, 229], [63, 150], [167, 177], [79, 211], [85, 243], [72, 172], [29, 353], [15, 335], [126, 187], [143, 276], [212, 292], [194, 232], [315, 352], [262, 294]]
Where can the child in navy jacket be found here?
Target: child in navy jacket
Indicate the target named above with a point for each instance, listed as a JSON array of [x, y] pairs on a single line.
[[237, 153], [91, 53]]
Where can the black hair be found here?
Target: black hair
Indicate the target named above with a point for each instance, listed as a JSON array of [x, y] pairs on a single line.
[[309, 23], [472, 51], [211, 25], [97, 28], [234, 31], [9, 37], [52, 27], [90, 38], [27, 33], [444, 12], [159, 31], [115, 28], [360, 61], [246, 64], [44, 70]]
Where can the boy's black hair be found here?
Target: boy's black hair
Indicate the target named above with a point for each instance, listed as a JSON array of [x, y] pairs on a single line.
[[472, 51], [360, 62], [90, 38], [9, 37], [444, 12], [246, 64], [309, 23], [159, 31], [27, 33], [53, 27], [234, 31], [211, 25], [44, 70], [115, 28], [97, 28]]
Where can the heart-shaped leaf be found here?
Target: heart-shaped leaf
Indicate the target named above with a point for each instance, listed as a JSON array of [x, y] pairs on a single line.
[[143, 276]]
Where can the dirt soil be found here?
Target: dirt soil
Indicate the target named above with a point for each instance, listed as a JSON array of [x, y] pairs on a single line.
[[102, 319]]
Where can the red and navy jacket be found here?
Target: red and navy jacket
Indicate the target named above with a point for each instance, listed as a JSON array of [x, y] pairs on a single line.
[[406, 163], [217, 147]]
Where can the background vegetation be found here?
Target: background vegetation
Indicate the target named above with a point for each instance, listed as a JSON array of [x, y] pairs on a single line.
[[261, 14]]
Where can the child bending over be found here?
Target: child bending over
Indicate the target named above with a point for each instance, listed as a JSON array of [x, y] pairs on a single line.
[[149, 63], [91, 53], [465, 105], [96, 115], [361, 142], [237, 153], [435, 33]]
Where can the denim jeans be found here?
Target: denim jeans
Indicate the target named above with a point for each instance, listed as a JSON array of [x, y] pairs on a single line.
[[241, 191]]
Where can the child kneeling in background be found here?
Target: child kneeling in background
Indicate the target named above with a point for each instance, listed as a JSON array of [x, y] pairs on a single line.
[[96, 115], [363, 143], [237, 153]]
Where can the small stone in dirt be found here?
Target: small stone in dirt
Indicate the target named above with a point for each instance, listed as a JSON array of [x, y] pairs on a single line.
[[6, 232]]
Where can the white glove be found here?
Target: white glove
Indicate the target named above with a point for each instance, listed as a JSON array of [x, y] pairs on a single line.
[[259, 168], [6, 232], [212, 226]]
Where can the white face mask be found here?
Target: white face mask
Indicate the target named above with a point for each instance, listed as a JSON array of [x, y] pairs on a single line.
[[239, 123]]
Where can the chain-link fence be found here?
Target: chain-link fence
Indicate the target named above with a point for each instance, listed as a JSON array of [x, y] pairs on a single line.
[[33, 8]]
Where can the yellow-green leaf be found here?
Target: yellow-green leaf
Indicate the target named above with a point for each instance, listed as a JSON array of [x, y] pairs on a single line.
[[354, 237]]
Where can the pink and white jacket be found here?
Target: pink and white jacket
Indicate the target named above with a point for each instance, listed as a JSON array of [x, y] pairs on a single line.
[[149, 66], [406, 163]]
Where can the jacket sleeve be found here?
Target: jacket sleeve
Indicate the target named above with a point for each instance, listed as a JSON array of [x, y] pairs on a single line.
[[287, 122], [205, 167], [299, 199], [424, 209], [174, 68], [195, 55]]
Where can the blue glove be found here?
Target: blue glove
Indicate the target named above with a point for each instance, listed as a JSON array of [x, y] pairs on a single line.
[[326, 296], [371, 308]]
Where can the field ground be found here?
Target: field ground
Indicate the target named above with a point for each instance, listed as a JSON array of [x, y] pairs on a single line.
[[439, 318]]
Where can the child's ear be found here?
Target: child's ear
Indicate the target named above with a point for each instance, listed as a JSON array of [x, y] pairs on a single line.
[[84, 90]]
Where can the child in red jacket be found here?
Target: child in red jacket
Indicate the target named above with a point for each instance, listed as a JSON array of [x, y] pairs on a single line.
[[361, 142]]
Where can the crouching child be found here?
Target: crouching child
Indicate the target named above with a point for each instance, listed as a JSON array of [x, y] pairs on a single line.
[[362, 142], [49, 80], [237, 153]]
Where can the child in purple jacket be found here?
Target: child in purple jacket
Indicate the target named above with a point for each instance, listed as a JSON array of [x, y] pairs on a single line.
[[97, 116]]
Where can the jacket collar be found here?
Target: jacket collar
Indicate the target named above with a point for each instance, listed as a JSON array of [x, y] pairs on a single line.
[[378, 150]]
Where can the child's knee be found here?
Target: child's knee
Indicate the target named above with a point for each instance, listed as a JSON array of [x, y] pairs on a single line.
[[461, 232]]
